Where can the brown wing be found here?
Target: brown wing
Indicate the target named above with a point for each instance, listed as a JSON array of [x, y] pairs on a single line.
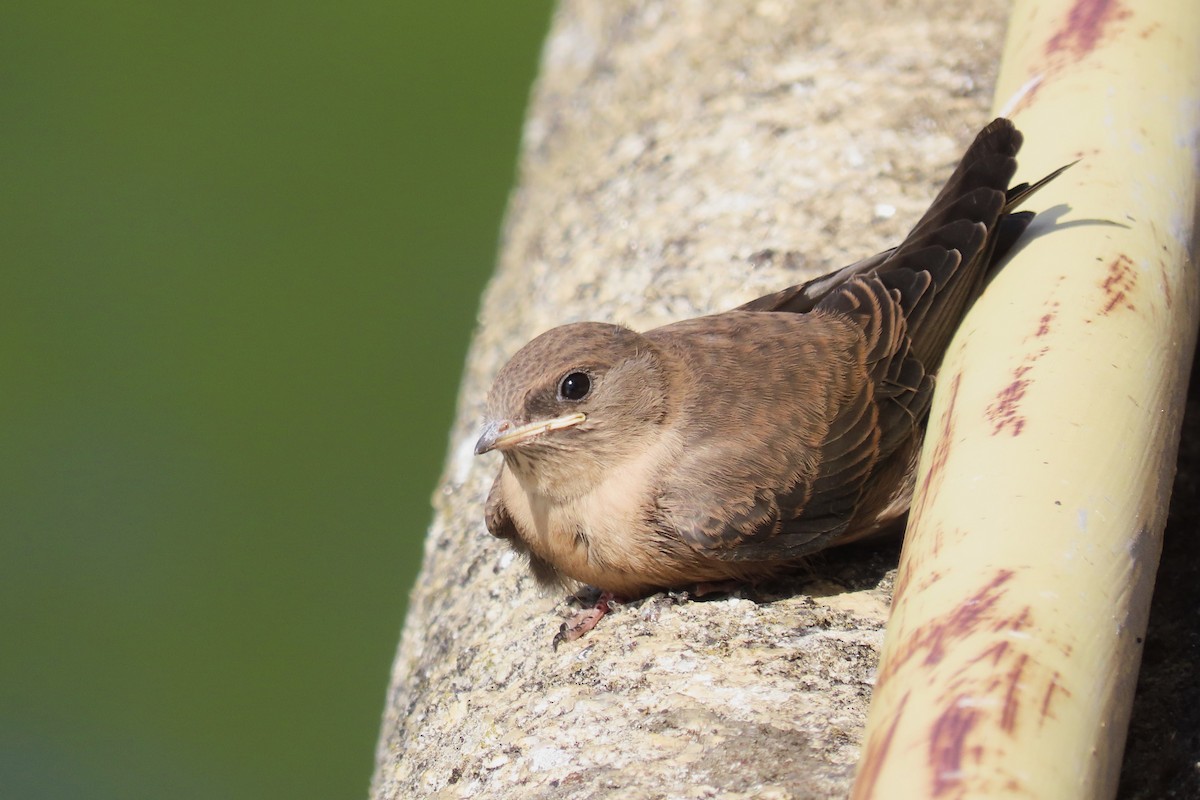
[[855, 404], [802, 298], [880, 422], [905, 304]]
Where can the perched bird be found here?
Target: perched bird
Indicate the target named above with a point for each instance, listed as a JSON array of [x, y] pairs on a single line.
[[728, 447]]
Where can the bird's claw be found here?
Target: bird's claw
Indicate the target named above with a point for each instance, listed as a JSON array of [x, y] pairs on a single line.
[[584, 621]]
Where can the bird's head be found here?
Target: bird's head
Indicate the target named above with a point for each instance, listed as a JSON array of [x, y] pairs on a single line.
[[575, 402]]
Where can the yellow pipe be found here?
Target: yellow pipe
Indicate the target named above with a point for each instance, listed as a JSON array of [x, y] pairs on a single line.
[[1024, 587]]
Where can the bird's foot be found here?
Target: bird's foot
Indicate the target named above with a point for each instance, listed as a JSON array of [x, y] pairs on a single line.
[[585, 620]]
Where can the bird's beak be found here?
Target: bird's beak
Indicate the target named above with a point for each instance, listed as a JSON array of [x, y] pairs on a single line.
[[501, 435]]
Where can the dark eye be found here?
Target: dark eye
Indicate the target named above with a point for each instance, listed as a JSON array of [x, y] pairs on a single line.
[[575, 386]]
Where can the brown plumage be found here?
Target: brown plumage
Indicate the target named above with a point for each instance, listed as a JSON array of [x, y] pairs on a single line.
[[732, 445]]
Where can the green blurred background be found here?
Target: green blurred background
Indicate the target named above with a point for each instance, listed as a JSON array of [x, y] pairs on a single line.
[[243, 245]]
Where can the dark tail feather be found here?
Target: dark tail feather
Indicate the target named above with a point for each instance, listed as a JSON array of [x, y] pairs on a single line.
[[947, 255], [966, 230], [1020, 193], [1013, 224], [976, 190]]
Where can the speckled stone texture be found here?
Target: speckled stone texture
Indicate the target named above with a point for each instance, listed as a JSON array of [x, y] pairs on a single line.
[[679, 158]]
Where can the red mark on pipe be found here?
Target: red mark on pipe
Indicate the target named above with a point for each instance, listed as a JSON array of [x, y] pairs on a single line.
[[1087, 24], [1118, 285]]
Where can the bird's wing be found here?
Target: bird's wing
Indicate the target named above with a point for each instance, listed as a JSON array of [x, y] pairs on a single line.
[[905, 303], [786, 466], [802, 298]]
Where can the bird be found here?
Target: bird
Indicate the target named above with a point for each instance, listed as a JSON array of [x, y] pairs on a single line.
[[732, 446]]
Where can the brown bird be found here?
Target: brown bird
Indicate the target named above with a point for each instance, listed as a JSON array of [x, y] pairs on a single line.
[[728, 447]]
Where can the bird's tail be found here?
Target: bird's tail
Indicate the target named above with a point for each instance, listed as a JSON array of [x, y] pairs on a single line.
[[911, 300], [969, 227], [941, 266]]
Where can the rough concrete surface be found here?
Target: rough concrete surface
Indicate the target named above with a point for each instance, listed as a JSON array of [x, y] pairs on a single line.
[[681, 157]]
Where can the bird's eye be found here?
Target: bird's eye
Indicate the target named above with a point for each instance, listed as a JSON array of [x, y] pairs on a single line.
[[575, 386]]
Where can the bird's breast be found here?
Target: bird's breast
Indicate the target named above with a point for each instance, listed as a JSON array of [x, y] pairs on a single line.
[[607, 537]]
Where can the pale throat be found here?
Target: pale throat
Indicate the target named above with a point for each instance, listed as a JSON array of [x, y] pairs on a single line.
[[565, 474]]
